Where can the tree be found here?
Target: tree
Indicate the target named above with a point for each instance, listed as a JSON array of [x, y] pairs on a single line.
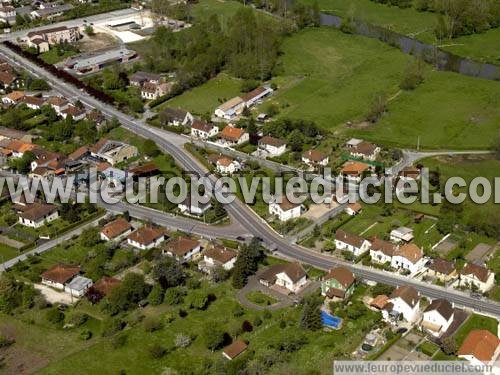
[[89, 30], [247, 263], [168, 272], [132, 290], [413, 76], [173, 296], [449, 345], [89, 237], [156, 295], [213, 336], [197, 300], [378, 108], [296, 140], [311, 314]]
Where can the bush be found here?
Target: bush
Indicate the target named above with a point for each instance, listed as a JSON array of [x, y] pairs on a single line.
[[152, 323], [77, 319], [156, 351], [110, 326], [267, 314], [238, 311], [173, 296], [248, 85], [118, 341], [5, 341], [257, 321], [247, 326], [85, 335], [54, 315], [182, 341], [156, 295]]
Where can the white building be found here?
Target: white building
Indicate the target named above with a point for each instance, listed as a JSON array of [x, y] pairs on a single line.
[[290, 276], [182, 248], [365, 150], [146, 238], [285, 210], [481, 277], [116, 230], [272, 146], [78, 286], [219, 256], [405, 301], [351, 242], [438, 316], [402, 234], [381, 251], [314, 158], [408, 257], [230, 109], [37, 215], [231, 136], [203, 130], [59, 275], [256, 95], [175, 117], [227, 166], [188, 207]]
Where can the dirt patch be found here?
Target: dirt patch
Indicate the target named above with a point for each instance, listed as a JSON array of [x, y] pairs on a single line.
[[19, 361], [466, 158], [358, 125], [96, 42]]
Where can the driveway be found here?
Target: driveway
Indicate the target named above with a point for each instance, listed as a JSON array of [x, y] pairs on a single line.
[[254, 285], [53, 296]]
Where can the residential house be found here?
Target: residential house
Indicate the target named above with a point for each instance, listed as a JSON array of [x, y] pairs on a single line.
[[290, 276], [145, 170], [285, 210], [96, 116], [227, 166], [404, 301], [75, 112], [381, 251], [175, 117], [78, 286], [338, 283], [379, 302], [230, 109], [53, 161], [152, 91], [51, 12], [256, 95], [59, 275], [480, 347], [353, 142], [8, 14], [202, 130], [230, 352], [410, 172], [182, 248], [437, 317], [11, 134], [13, 98], [139, 78], [113, 152], [18, 148], [353, 171], [55, 35], [442, 269], [146, 237], [79, 153], [351, 242], [116, 230], [353, 209], [479, 276], [402, 234], [408, 257], [8, 80], [315, 158], [231, 136], [58, 103], [33, 102], [106, 285], [36, 215], [188, 207], [218, 256], [272, 146], [365, 150]]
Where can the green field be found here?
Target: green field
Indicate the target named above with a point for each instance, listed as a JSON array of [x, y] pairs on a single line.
[[7, 252], [420, 25], [205, 98], [224, 9]]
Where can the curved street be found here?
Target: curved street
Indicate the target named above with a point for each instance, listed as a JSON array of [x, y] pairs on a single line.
[[238, 212]]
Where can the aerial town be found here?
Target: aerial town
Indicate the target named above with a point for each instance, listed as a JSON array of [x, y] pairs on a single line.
[[121, 93]]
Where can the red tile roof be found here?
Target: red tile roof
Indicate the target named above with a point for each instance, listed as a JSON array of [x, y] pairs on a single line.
[[61, 273], [146, 235], [116, 228], [235, 349], [481, 344]]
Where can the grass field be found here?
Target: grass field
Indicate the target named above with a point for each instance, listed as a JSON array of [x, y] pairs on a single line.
[[224, 9], [420, 25], [7, 252], [337, 77], [317, 353], [475, 321], [205, 98]]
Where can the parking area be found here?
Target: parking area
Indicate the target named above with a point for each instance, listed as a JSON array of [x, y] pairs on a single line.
[[53, 296]]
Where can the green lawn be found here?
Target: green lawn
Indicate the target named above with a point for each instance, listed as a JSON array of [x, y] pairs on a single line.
[[317, 353], [332, 78], [260, 298], [476, 321], [428, 348], [7, 252], [205, 98], [52, 56], [420, 25], [224, 9]]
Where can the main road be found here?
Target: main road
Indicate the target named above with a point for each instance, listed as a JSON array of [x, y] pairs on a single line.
[[238, 211]]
